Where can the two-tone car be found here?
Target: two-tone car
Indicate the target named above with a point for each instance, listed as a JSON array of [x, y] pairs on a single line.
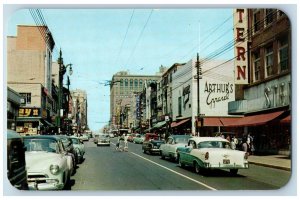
[[170, 147], [138, 139], [151, 143], [212, 153], [48, 164]]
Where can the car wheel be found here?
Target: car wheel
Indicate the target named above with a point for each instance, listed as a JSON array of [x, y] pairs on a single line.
[[233, 171], [162, 155], [197, 167], [180, 162]]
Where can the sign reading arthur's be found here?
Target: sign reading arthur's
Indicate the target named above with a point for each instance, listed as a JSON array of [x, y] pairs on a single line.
[[240, 48]]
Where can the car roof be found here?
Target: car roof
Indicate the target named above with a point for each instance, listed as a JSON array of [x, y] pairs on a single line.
[[204, 139], [178, 136], [42, 137]]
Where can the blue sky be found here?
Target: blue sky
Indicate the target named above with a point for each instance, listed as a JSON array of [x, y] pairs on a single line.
[[94, 41]]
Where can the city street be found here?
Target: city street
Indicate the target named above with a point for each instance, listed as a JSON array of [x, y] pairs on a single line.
[[106, 169]]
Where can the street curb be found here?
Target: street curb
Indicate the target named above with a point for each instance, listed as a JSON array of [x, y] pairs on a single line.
[[271, 166]]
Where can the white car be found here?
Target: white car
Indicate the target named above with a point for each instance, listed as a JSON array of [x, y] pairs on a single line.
[[103, 140], [173, 142], [212, 153], [48, 164]]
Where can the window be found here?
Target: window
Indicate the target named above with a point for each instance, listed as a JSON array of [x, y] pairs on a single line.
[[283, 54], [121, 82], [256, 21], [136, 83], [131, 84], [126, 82], [26, 98], [179, 106], [141, 83], [269, 61], [269, 16], [256, 66]]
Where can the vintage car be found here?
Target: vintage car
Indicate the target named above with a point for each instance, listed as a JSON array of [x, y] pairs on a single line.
[[16, 165], [68, 145], [103, 140], [151, 143], [173, 142], [138, 139], [79, 148], [48, 164], [212, 153], [84, 137], [131, 137]]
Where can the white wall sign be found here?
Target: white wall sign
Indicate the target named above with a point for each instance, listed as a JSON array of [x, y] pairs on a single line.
[[240, 49]]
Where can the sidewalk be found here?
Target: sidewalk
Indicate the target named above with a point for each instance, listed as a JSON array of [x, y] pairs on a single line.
[[275, 161]]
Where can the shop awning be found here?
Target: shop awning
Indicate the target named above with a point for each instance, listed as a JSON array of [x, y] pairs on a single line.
[[256, 120], [227, 121], [212, 121], [286, 120], [175, 124], [159, 124]]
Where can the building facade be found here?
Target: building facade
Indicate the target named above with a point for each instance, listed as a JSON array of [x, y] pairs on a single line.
[[79, 110], [266, 101], [29, 66], [123, 88]]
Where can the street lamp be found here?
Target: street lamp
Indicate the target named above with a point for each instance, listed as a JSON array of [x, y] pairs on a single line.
[[62, 71]]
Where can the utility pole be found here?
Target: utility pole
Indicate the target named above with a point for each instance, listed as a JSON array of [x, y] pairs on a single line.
[[198, 77]]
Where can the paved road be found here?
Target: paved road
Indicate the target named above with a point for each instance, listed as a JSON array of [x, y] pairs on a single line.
[[105, 169]]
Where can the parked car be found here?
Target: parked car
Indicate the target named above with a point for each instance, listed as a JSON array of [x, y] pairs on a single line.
[[130, 137], [16, 165], [79, 148], [96, 136], [68, 145], [151, 143], [103, 140], [212, 153], [173, 142], [48, 164], [84, 137], [111, 135], [139, 139]]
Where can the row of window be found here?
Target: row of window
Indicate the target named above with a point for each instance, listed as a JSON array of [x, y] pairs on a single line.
[[269, 66], [137, 83], [269, 16]]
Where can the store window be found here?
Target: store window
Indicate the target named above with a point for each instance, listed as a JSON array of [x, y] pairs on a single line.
[[269, 57], [26, 98], [256, 66], [283, 54]]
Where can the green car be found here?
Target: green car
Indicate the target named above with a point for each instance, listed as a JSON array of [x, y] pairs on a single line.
[[139, 139]]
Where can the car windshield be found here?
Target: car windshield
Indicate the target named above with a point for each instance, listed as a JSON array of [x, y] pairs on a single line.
[[181, 140], [214, 144], [103, 136], [47, 145]]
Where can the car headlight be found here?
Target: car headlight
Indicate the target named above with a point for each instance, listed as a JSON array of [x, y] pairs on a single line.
[[54, 169]]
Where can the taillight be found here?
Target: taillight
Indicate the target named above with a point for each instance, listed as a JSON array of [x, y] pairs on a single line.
[[206, 156], [246, 156]]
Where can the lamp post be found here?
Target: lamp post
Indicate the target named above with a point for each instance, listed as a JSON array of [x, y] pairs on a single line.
[[62, 71]]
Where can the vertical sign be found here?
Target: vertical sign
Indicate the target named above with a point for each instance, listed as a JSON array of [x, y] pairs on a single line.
[[240, 48]]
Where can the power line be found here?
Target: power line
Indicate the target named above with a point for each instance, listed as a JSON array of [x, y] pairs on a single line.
[[139, 38]]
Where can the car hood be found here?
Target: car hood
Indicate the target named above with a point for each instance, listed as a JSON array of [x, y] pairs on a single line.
[[37, 161], [157, 142]]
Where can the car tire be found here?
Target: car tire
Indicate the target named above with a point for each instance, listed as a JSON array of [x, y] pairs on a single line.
[[162, 155], [197, 167], [233, 172]]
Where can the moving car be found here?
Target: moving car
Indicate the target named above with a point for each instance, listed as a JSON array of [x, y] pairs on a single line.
[[48, 164], [79, 148], [212, 153], [151, 143], [103, 140], [138, 139], [173, 142], [16, 165]]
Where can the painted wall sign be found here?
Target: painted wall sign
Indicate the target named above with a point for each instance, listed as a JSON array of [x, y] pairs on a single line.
[[217, 92], [240, 49]]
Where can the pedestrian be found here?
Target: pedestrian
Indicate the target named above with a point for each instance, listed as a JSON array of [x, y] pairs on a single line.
[[118, 143], [245, 145], [125, 142], [232, 144]]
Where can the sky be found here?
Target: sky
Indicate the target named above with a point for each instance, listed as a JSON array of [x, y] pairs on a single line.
[[101, 42]]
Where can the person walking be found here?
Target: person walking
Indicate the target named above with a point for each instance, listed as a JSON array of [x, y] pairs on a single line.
[[125, 142], [245, 145], [232, 144]]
